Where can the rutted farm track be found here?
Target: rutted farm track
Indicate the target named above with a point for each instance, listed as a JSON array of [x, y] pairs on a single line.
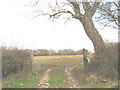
[[58, 71], [69, 79], [43, 83], [72, 82]]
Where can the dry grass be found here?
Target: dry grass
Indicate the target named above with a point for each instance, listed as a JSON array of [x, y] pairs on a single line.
[[59, 60]]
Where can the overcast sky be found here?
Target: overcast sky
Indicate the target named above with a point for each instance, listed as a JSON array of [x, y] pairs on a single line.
[[17, 29]]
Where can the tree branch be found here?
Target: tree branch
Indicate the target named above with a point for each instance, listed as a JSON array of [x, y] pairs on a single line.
[[94, 7], [109, 13], [60, 12], [86, 5], [76, 8]]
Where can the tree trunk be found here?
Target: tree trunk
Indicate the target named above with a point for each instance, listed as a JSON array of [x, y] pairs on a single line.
[[95, 37]]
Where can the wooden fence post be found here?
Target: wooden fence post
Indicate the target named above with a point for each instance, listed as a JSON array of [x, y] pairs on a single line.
[[85, 58]]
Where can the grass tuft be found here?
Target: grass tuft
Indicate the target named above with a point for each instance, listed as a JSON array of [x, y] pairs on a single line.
[[57, 81]]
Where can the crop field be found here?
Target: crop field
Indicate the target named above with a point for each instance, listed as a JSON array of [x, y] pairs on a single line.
[[59, 60]]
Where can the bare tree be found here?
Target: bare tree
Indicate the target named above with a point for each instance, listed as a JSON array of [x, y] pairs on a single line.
[[82, 10], [108, 14]]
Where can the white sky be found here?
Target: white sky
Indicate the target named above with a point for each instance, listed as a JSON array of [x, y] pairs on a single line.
[[16, 29]]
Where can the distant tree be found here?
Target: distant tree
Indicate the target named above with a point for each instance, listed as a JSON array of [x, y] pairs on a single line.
[[52, 52], [35, 53], [61, 52], [41, 52], [44, 52], [69, 52], [79, 52]]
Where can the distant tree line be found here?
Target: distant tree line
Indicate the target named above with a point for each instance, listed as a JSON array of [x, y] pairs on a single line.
[[51, 52]]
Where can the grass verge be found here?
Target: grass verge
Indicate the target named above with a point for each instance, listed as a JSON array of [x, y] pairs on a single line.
[[29, 82], [57, 81]]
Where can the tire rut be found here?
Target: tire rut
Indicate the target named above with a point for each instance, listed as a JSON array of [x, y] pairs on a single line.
[[71, 81], [44, 82]]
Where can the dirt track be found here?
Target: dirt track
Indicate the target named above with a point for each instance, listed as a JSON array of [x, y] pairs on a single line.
[[43, 83], [71, 82]]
